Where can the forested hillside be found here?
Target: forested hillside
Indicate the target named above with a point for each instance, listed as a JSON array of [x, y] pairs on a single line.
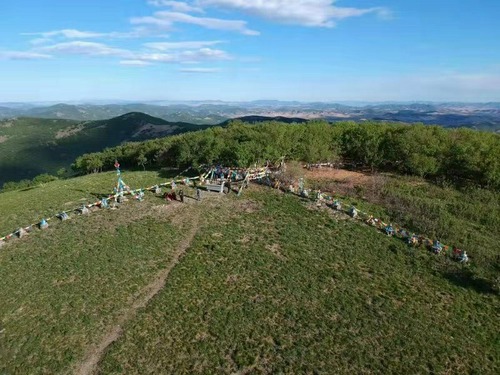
[[32, 146], [461, 156]]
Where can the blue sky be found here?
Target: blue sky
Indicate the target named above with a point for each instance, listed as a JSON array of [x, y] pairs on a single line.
[[236, 50]]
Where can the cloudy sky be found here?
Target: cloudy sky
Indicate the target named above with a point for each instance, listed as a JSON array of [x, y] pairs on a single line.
[[310, 50]]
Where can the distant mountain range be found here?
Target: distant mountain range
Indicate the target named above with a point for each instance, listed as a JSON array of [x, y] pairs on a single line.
[[31, 146], [485, 116], [57, 135]]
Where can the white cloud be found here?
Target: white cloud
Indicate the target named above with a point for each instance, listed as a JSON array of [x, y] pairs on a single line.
[[136, 32], [157, 57], [177, 6], [194, 56], [39, 41], [204, 54], [48, 36], [135, 63], [165, 20], [167, 46], [152, 21], [174, 52], [199, 70], [22, 55], [85, 48], [313, 13], [68, 33]]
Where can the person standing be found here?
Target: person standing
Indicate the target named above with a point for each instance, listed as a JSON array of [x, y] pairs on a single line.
[[198, 194], [181, 195]]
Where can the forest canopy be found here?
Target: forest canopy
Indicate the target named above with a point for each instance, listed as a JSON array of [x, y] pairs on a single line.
[[457, 155]]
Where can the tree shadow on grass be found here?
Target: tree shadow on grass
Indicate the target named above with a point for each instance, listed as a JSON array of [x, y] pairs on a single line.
[[168, 173], [94, 194], [465, 279]]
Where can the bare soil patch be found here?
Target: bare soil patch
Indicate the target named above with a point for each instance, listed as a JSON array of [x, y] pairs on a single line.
[[247, 206], [150, 130], [344, 182], [69, 132], [338, 175], [3, 138]]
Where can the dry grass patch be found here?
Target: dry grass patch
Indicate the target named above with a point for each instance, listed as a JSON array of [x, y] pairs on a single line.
[[246, 206], [275, 249], [6, 124], [340, 175]]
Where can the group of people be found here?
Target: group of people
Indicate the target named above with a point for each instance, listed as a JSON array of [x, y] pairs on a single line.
[[226, 173], [170, 196], [173, 194]]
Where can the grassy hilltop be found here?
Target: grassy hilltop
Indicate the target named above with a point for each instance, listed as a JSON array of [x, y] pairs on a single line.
[[264, 283]]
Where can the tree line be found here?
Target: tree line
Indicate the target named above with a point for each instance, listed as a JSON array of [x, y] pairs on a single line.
[[457, 155]]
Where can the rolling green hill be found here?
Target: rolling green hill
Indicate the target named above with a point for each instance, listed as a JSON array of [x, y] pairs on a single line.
[[199, 114], [484, 116], [263, 283], [31, 146]]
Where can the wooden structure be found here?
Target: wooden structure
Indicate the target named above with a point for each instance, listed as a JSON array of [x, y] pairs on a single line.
[[215, 187]]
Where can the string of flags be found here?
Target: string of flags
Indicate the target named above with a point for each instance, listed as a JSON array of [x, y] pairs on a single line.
[[390, 230], [121, 190], [244, 176], [118, 196]]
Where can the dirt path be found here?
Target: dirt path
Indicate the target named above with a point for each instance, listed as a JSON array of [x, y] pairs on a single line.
[[95, 354]]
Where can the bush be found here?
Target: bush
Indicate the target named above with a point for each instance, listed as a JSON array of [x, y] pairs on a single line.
[[43, 179], [16, 185], [23, 184]]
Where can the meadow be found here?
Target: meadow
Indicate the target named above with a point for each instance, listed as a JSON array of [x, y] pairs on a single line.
[[62, 286], [468, 218], [279, 287], [269, 284], [29, 205]]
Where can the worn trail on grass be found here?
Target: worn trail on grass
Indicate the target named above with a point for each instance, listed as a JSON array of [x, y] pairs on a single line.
[[95, 354]]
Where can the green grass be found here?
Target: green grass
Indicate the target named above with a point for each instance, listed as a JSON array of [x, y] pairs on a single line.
[[28, 206], [284, 289], [467, 218], [61, 287], [269, 285]]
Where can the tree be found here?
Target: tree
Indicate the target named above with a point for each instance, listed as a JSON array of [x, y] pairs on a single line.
[[142, 160], [92, 163], [61, 172], [362, 143], [317, 145]]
